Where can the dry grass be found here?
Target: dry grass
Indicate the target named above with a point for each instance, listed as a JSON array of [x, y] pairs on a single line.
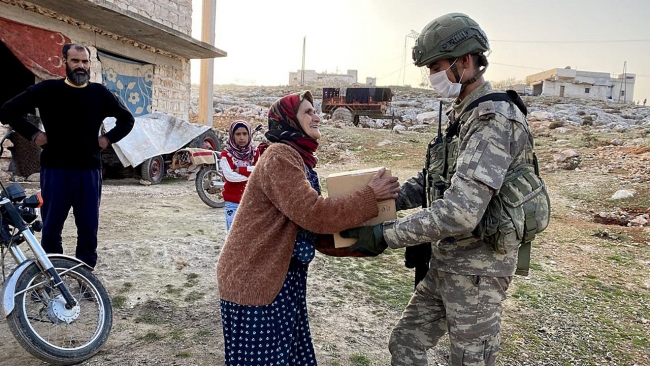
[[587, 299]]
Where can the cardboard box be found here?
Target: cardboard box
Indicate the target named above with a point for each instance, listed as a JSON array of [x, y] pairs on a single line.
[[342, 184]]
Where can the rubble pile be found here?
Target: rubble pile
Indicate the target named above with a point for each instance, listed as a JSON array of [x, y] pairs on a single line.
[[622, 218], [419, 110]]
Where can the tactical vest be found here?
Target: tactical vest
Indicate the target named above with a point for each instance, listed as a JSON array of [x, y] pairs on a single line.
[[521, 207]]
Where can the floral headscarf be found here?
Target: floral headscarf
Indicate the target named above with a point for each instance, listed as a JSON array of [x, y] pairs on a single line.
[[284, 126], [245, 154]]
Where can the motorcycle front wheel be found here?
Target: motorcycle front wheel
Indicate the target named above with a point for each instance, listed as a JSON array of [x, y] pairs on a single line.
[[48, 330], [208, 186]]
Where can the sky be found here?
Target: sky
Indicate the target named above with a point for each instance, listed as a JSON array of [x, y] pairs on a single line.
[[264, 39]]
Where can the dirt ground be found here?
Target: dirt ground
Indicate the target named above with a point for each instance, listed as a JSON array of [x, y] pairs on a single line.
[[159, 246], [157, 254]]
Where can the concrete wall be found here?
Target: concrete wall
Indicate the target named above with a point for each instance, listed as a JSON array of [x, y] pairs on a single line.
[[171, 91], [171, 82], [572, 90], [175, 14], [601, 85], [626, 85], [314, 78]]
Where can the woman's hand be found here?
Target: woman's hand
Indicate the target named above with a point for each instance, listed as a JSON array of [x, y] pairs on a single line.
[[384, 188]]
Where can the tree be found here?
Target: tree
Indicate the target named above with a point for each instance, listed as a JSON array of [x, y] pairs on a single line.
[[507, 83]]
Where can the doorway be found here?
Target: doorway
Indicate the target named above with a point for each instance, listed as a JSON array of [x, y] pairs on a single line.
[[17, 77], [24, 154], [562, 90]]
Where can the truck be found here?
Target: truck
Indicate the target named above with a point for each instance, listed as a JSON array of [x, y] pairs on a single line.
[[370, 102]]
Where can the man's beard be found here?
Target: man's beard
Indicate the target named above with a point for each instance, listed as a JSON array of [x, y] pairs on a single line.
[[77, 77]]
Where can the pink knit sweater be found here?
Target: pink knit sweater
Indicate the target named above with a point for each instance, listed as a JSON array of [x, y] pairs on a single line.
[[277, 200]]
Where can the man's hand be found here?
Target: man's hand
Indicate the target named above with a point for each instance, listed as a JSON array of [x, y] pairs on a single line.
[[103, 142], [370, 239], [40, 139]]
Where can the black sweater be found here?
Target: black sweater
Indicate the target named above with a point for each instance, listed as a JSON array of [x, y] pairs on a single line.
[[72, 118]]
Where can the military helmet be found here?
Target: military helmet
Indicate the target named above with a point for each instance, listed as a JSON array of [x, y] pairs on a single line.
[[449, 36]]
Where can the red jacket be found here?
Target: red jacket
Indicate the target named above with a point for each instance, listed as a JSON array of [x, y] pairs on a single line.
[[235, 175]]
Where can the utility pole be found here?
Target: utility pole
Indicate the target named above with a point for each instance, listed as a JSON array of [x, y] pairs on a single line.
[[302, 72], [206, 85], [413, 35], [624, 82]]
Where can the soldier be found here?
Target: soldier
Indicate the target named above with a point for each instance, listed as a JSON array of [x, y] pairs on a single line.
[[487, 149]]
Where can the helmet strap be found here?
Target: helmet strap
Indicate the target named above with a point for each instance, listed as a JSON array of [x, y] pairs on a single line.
[[454, 70]]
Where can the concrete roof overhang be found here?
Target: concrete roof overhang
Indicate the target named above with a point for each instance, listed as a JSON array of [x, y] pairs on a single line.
[[122, 22]]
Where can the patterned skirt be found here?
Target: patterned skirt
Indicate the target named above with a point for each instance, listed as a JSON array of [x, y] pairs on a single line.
[[274, 334]]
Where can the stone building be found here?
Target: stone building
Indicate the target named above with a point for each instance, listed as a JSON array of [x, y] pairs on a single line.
[[140, 49], [311, 77], [568, 82], [146, 42]]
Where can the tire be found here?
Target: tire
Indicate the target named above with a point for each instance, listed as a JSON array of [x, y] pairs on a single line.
[[207, 140], [50, 337], [342, 114], [210, 195], [153, 169]]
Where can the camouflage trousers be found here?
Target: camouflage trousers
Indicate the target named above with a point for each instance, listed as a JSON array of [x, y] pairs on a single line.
[[468, 307]]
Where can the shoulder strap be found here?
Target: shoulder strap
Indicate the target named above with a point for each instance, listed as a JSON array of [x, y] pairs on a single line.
[[507, 96]]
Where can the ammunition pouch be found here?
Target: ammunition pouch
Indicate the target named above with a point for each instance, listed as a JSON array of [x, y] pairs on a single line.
[[442, 166], [519, 211]]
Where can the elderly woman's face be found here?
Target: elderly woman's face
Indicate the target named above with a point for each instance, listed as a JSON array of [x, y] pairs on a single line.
[[308, 119]]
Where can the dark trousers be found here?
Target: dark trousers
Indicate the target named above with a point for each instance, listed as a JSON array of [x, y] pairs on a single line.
[[80, 190]]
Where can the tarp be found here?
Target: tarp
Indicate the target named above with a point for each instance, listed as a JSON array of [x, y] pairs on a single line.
[[37, 48], [357, 95], [129, 80], [381, 95], [152, 135]]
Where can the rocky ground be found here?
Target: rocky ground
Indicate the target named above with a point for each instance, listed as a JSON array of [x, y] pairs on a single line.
[[586, 301]]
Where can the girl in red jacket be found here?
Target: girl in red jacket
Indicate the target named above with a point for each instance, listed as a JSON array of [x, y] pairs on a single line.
[[237, 162]]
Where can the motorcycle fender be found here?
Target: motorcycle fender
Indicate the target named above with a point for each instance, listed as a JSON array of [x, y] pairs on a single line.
[[9, 287]]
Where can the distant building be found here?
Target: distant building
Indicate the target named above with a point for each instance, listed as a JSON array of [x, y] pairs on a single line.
[[568, 82], [313, 78]]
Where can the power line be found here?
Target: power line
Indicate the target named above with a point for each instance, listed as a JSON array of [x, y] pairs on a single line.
[[522, 67], [573, 42], [385, 76]]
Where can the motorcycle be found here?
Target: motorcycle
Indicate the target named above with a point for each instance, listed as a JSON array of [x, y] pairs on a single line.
[[55, 307], [209, 182]]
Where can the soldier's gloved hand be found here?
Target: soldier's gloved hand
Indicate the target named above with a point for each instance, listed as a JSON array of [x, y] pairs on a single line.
[[370, 239]]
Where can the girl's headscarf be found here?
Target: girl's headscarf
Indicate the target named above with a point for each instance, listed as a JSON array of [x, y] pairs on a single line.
[[284, 126], [244, 154]]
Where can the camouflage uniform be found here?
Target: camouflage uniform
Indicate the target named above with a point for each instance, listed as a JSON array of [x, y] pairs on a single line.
[[467, 280]]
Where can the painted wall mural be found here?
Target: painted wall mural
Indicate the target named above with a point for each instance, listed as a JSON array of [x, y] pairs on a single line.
[[129, 80]]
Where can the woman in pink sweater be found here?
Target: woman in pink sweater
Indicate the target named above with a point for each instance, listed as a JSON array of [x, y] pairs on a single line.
[[262, 270]]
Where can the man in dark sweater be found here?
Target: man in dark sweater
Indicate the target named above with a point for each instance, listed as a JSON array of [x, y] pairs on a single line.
[[72, 111]]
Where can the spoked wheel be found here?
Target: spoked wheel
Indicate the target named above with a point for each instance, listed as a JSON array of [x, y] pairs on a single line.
[[209, 186], [48, 330], [207, 140]]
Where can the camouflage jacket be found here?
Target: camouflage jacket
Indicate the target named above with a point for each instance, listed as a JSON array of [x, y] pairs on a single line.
[[493, 138]]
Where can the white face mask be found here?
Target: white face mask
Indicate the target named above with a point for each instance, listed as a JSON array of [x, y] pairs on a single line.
[[441, 83]]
